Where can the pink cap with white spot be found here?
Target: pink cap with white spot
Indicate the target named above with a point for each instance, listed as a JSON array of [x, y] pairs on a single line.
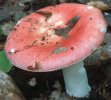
[[55, 37]]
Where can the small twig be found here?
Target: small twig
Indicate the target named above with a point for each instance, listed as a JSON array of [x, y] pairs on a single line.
[[47, 84]]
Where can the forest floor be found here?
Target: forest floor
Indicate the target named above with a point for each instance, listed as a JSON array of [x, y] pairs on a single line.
[[50, 85]]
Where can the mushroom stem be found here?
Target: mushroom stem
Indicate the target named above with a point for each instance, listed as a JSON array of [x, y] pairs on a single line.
[[76, 81]]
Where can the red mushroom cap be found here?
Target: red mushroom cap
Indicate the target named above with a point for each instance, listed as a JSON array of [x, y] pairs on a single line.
[[48, 39]]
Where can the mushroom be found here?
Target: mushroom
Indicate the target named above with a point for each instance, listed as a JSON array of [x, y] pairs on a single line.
[[58, 37]]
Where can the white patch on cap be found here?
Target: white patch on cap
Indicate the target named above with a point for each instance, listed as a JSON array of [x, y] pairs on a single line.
[[42, 29], [53, 36], [103, 29], [90, 7], [59, 23], [12, 50], [50, 32], [42, 20], [49, 20], [19, 21]]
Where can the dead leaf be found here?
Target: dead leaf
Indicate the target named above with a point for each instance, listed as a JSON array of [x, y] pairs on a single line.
[[99, 4]]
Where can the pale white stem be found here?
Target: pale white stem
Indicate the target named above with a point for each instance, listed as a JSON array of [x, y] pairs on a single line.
[[76, 81]]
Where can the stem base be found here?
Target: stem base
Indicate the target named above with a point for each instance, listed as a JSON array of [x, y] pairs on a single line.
[[76, 81]]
